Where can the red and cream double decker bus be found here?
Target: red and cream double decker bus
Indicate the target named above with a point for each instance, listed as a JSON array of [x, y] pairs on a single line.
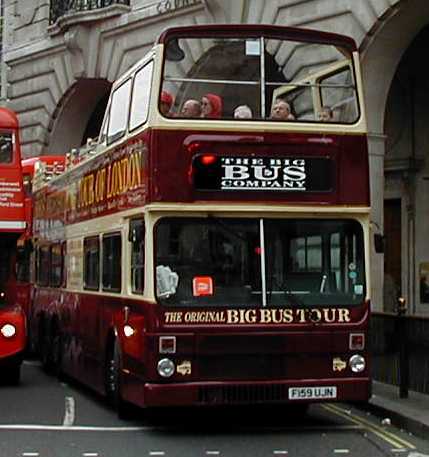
[[214, 247], [12, 226]]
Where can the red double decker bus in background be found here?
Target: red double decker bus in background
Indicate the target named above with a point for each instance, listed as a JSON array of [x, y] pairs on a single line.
[[52, 165], [12, 226], [214, 247]]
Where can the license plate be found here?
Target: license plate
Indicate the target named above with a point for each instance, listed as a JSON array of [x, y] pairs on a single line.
[[312, 393]]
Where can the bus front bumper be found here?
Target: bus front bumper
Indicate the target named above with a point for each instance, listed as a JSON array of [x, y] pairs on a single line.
[[227, 393]]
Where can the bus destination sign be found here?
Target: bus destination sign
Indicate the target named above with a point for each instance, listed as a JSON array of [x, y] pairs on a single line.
[[310, 174]]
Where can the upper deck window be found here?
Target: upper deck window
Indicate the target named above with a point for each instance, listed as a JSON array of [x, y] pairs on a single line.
[[140, 98], [6, 149], [258, 78], [119, 112]]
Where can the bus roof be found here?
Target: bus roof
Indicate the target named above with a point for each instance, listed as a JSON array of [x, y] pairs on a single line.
[[8, 119], [249, 30]]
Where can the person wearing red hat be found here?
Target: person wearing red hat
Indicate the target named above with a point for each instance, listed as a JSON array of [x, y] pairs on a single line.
[[166, 102], [211, 106]]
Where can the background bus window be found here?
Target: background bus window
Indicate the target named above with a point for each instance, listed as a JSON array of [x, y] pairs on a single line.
[[23, 263], [6, 150], [136, 237], [57, 260], [140, 98], [306, 253], [112, 259], [91, 268], [43, 265], [119, 112]]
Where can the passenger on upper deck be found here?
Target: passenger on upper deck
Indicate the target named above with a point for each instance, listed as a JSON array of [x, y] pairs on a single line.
[[211, 106], [191, 108], [281, 111], [166, 102], [325, 114], [243, 112]]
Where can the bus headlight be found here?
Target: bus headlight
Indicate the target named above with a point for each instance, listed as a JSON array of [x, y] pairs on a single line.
[[8, 330], [357, 363], [166, 368]]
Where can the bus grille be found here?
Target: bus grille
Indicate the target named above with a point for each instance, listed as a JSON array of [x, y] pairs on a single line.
[[242, 366], [242, 394]]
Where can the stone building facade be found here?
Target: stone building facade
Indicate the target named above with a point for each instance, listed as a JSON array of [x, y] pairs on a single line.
[[61, 56]]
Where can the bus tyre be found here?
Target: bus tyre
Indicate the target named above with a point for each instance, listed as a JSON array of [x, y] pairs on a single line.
[[46, 349], [113, 382], [57, 352]]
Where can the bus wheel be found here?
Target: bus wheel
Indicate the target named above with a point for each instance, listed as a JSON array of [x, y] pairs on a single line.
[[57, 352], [113, 381], [45, 345]]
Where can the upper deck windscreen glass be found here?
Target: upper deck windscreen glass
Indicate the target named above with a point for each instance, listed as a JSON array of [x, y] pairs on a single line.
[[258, 79], [6, 149]]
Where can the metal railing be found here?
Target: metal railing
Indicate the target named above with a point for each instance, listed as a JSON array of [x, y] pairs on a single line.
[[400, 348], [59, 8]]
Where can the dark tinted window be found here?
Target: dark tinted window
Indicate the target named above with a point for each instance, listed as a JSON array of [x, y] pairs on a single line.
[[57, 262], [6, 151], [112, 262], [136, 237], [91, 249], [43, 265]]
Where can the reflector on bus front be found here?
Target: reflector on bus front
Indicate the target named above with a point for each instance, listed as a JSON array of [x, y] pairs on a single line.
[[167, 344], [357, 341]]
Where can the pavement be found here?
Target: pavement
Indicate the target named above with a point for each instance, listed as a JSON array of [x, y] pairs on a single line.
[[411, 414]]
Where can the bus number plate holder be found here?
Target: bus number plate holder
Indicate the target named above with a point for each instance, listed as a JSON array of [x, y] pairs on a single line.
[[312, 393]]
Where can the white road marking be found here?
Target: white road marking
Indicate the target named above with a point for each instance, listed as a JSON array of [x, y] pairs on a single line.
[[341, 451], [156, 453], [30, 454], [90, 454], [73, 428], [212, 452], [69, 412], [32, 363], [280, 452]]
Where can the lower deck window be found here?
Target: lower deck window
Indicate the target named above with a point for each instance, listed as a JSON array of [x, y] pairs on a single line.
[[112, 262], [91, 249]]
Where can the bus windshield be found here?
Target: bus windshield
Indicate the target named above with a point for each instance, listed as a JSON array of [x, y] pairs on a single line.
[[258, 78], [6, 150], [218, 262]]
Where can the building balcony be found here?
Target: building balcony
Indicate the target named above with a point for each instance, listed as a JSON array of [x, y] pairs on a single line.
[[65, 8]]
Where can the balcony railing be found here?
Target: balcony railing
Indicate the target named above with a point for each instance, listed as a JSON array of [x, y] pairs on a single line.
[[60, 8]]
